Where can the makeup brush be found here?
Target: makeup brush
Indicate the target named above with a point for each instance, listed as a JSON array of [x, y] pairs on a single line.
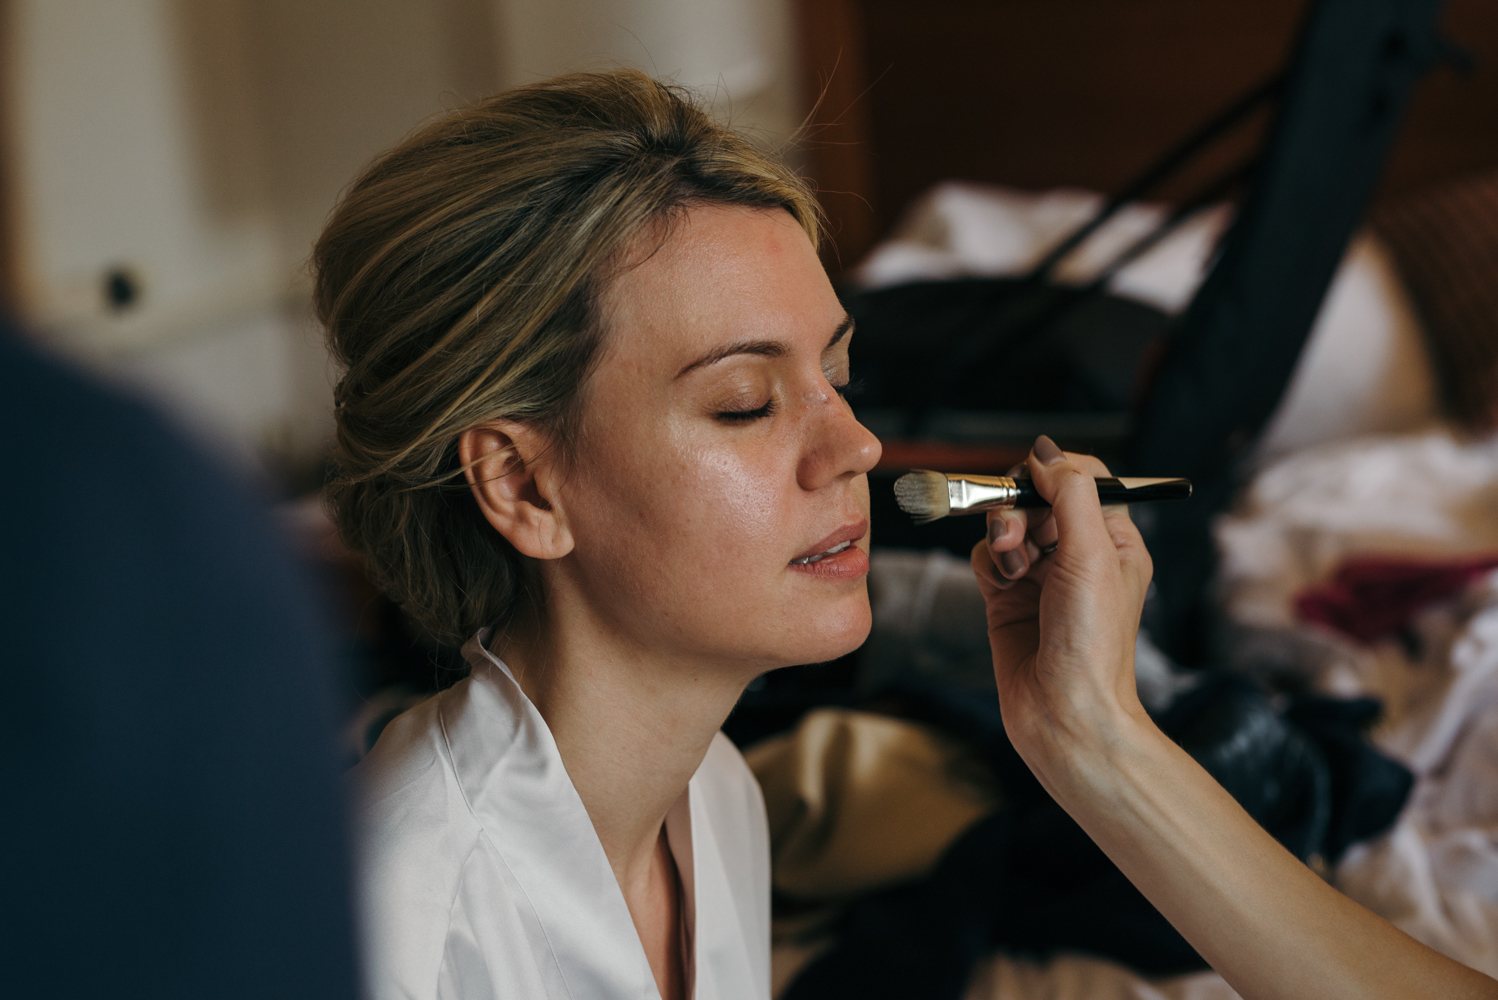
[[929, 496]]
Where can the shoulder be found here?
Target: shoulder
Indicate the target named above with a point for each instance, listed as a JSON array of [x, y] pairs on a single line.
[[418, 844], [407, 762], [411, 813], [442, 912]]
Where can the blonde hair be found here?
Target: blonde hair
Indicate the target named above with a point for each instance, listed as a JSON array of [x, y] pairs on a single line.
[[458, 280]]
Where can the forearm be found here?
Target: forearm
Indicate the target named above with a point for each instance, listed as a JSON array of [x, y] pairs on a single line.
[[1061, 620], [1270, 926]]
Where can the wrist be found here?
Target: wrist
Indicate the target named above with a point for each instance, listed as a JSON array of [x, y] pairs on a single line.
[[1091, 756]]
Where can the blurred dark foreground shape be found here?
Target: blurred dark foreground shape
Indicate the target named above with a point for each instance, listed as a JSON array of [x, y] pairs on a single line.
[[173, 821]]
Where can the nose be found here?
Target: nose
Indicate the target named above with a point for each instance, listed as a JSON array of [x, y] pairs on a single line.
[[837, 446]]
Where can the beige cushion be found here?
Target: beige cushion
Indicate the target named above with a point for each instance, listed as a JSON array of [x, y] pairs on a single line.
[[857, 801]]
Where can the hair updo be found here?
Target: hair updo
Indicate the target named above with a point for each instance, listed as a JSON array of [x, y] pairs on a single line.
[[458, 280]]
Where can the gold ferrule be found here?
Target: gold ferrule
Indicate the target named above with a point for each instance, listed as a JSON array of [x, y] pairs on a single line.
[[970, 494]]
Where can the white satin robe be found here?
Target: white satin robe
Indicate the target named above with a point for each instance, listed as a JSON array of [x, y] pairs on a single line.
[[482, 877]]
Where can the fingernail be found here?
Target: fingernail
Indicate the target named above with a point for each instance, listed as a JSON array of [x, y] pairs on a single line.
[[1045, 449], [1013, 563], [997, 530]]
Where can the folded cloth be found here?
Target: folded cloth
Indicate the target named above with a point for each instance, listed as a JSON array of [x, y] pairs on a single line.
[[1082, 977], [858, 801], [1374, 597]]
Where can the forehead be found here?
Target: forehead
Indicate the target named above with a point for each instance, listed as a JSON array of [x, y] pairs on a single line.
[[722, 273]]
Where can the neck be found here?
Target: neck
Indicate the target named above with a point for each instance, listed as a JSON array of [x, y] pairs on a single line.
[[632, 728]]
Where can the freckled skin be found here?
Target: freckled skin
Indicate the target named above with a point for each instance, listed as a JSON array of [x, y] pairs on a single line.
[[685, 522], [713, 452]]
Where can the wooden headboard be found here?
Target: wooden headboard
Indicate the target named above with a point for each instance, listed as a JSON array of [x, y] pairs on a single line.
[[1041, 93], [9, 269]]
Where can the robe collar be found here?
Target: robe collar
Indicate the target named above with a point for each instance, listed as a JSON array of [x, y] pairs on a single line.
[[512, 776]]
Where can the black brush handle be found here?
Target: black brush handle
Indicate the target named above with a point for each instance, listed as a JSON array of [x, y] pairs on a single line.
[[1112, 490]]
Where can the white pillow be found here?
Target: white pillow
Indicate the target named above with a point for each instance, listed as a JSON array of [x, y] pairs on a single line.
[[1364, 369]]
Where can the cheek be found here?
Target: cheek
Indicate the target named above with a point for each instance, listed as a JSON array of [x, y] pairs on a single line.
[[687, 542], [677, 508], [741, 499]]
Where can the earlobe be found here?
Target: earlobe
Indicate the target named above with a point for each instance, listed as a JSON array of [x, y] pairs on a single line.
[[511, 471]]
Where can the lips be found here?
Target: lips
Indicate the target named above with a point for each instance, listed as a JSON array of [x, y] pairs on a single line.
[[808, 560], [839, 541]]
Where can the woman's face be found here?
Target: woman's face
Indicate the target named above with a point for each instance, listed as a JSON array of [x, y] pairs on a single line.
[[719, 500]]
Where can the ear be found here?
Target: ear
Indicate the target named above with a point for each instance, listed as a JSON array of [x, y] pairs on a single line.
[[512, 470]]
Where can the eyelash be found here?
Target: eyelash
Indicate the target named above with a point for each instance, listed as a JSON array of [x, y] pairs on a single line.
[[746, 416]]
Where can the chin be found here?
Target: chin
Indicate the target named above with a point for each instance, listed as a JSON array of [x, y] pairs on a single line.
[[837, 633]]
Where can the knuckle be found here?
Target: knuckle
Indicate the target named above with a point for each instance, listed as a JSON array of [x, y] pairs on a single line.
[[1091, 464], [1070, 475]]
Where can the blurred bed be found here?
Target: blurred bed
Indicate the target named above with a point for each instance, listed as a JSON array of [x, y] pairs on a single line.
[[1377, 473], [961, 139]]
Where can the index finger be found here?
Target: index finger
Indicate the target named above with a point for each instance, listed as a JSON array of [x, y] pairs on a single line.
[[1072, 493], [1093, 466], [1090, 464]]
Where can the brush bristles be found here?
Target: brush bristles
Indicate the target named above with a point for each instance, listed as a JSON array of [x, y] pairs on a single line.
[[923, 495]]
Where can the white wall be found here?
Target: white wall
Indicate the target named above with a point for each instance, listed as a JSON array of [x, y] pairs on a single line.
[[736, 53], [107, 176], [200, 144]]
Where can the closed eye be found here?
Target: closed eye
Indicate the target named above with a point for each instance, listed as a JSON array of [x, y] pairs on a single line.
[[745, 416]]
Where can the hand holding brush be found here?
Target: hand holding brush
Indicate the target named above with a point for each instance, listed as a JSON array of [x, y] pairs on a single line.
[[930, 496]]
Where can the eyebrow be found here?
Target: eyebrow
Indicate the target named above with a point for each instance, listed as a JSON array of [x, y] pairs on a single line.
[[764, 348]]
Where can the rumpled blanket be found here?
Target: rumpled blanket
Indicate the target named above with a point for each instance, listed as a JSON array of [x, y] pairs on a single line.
[[1302, 523], [1376, 597]]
